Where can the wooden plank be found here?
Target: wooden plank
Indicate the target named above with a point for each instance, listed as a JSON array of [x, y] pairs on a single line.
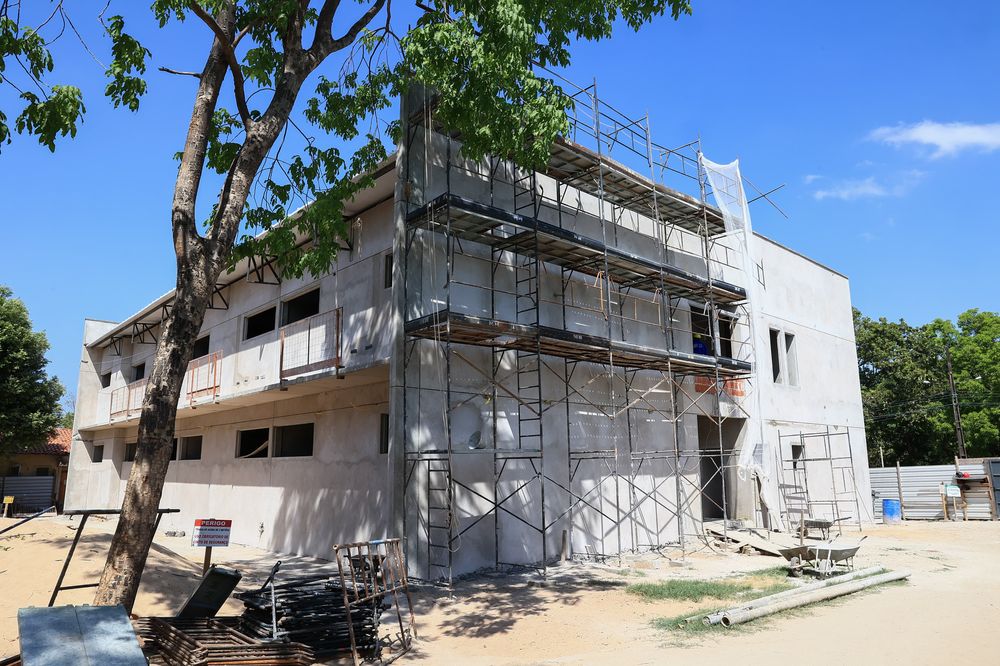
[[747, 539]]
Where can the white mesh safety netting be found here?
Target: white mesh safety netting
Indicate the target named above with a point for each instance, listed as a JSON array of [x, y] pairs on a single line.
[[758, 455]]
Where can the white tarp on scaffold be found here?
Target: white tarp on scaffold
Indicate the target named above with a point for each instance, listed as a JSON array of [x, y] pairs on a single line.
[[758, 455]]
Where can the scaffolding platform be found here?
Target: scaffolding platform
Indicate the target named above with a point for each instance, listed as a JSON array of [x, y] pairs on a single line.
[[486, 332], [575, 165], [481, 223]]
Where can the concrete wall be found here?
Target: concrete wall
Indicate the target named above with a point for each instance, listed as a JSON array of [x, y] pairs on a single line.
[[813, 303], [301, 505], [355, 283]]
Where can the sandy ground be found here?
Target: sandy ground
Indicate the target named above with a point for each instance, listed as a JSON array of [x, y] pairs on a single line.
[[582, 614]]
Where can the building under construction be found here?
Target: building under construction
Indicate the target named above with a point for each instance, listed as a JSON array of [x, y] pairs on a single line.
[[507, 366]]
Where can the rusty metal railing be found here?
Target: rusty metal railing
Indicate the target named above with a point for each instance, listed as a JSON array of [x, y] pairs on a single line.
[[127, 400], [204, 376]]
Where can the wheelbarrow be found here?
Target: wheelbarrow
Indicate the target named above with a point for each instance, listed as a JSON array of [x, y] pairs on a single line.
[[822, 559], [821, 524]]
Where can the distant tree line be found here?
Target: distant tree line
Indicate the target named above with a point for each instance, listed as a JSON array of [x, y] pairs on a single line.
[[907, 397]]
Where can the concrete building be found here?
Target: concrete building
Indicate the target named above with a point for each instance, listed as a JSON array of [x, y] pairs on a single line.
[[505, 366]]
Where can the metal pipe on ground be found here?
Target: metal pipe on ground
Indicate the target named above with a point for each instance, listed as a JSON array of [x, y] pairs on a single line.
[[22, 522], [831, 592], [716, 618]]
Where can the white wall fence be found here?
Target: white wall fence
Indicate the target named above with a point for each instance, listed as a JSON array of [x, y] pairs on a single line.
[[921, 487]]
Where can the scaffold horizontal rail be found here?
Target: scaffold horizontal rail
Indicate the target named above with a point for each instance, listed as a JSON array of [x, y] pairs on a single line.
[[485, 332]]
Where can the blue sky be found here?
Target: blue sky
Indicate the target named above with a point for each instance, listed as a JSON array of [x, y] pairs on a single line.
[[880, 118]]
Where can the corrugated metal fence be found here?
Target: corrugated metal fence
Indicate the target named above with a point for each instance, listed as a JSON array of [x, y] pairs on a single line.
[[922, 493], [31, 493]]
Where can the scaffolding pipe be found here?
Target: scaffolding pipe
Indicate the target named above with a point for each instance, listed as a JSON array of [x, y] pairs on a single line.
[[739, 616], [716, 618]]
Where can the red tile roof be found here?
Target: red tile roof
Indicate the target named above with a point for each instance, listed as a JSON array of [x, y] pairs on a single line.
[[58, 444]]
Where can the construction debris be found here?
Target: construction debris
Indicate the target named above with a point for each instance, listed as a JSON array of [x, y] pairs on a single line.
[[211, 641], [310, 611], [744, 538], [716, 618], [742, 614]]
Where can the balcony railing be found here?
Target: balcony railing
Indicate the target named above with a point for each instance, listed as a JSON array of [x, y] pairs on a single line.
[[204, 376], [203, 379], [127, 400], [312, 344]]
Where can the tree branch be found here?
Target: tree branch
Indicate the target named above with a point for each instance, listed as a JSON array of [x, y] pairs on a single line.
[[324, 24], [230, 55], [178, 72], [192, 164], [324, 44]]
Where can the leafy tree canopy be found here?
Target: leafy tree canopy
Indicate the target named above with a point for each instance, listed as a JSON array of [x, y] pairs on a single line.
[[904, 385], [485, 59], [29, 398]]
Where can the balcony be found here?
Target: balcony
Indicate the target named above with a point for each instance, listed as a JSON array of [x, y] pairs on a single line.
[[203, 380], [312, 344], [204, 377], [127, 400], [303, 347]]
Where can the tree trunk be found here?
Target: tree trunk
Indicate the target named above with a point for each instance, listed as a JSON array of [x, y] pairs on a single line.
[[134, 535], [200, 260]]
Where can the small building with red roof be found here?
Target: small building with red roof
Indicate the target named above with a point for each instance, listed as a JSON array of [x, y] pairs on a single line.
[[48, 459]]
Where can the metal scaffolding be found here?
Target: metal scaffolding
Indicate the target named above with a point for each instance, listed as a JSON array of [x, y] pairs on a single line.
[[827, 454], [531, 364]]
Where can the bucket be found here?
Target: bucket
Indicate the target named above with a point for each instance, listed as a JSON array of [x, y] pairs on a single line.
[[891, 512]]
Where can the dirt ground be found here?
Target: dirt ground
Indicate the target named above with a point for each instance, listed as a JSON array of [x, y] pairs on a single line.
[[582, 614]]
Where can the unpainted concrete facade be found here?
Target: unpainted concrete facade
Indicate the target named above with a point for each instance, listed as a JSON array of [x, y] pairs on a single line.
[[385, 399]]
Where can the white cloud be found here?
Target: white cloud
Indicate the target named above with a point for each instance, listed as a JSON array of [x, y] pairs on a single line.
[[868, 236], [871, 187], [810, 178], [946, 138]]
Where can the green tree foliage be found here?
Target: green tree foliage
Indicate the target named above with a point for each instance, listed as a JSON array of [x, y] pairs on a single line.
[[29, 398], [485, 59], [904, 385]]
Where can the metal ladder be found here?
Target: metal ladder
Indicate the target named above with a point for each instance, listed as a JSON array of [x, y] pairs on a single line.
[[439, 518]]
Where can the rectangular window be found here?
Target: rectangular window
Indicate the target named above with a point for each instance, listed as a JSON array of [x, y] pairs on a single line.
[[14, 470], [726, 337], [252, 443], [130, 451], [701, 334], [191, 448], [387, 271], [797, 451], [293, 440], [138, 372], [97, 454], [200, 347], [300, 307], [259, 324], [791, 362], [383, 434], [173, 450], [106, 380], [775, 358], [43, 471]]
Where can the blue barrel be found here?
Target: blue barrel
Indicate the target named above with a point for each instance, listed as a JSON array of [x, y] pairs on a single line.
[[890, 511]]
